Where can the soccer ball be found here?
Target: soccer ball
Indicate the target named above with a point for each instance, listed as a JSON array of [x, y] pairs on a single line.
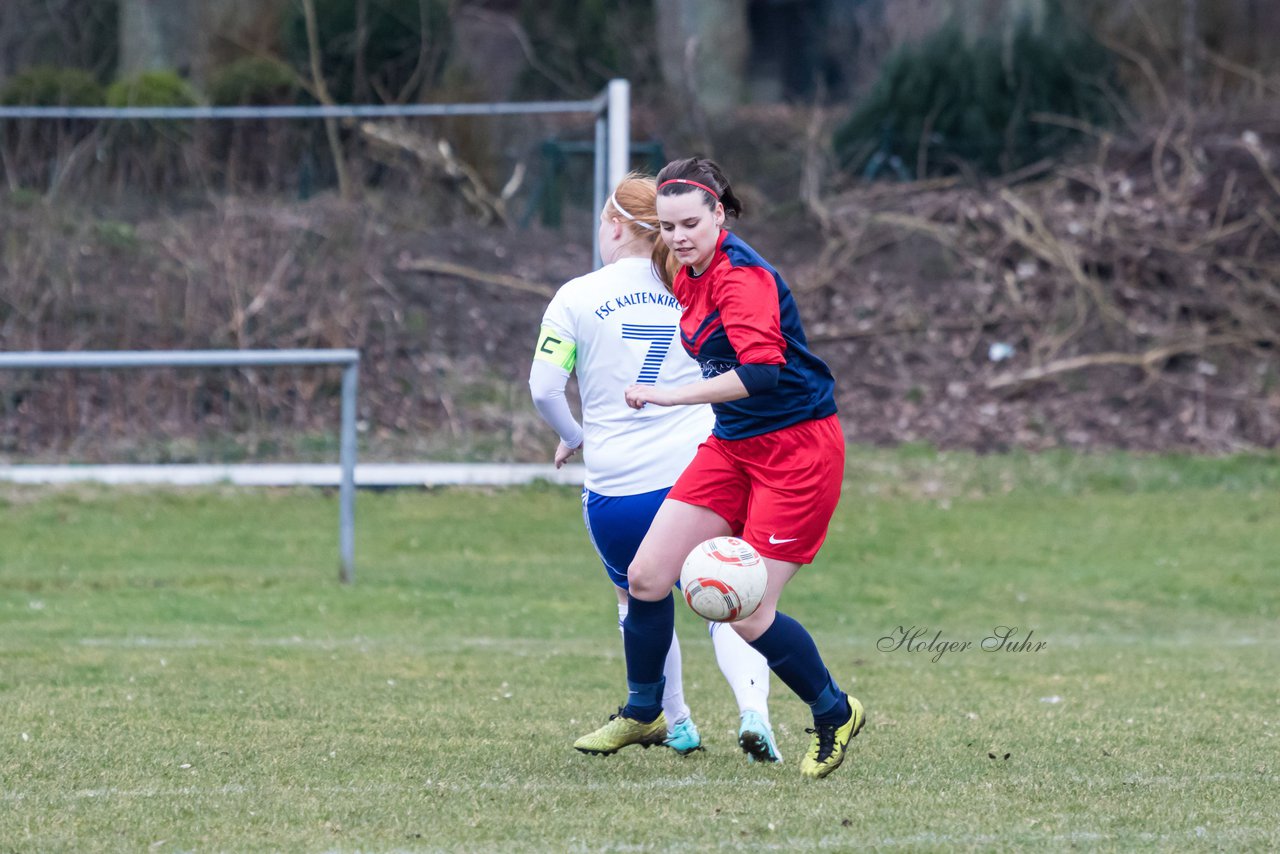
[[723, 579]]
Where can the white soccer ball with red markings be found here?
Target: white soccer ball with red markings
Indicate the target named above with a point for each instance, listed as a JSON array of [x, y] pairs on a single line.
[[723, 579]]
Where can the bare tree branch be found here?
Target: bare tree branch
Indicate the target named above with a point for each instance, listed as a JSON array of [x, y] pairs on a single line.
[[345, 188]]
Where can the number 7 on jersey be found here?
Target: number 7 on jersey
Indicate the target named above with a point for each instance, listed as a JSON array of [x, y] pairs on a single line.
[[659, 338]]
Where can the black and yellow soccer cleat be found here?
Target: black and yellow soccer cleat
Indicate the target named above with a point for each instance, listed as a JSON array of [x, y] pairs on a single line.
[[830, 742]]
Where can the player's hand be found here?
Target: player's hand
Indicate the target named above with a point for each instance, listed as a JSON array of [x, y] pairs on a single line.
[[564, 453], [638, 395]]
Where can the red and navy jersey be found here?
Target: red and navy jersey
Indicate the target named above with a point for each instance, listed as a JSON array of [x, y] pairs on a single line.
[[739, 311]]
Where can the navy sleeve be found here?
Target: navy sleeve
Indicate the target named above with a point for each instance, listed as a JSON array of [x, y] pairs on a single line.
[[757, 377]]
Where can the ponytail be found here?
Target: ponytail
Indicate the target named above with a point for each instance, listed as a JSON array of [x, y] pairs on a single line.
[[664, 263]]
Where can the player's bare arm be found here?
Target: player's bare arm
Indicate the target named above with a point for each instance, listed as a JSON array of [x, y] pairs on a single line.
[[726, 387]]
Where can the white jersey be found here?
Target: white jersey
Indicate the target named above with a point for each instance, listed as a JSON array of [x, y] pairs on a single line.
[[620, 326]]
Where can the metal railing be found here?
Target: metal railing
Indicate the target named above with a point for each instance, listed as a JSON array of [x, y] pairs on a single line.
[[348, 359], [611, 108]]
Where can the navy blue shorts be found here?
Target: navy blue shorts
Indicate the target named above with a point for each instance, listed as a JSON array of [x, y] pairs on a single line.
[[617, 524]]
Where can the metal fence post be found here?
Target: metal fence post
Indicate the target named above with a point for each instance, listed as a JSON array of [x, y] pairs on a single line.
[[349, 359], [598, 182], [619, 131], [613, 149], [347, 459]]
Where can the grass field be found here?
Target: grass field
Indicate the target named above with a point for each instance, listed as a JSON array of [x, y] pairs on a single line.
[[181, 671]]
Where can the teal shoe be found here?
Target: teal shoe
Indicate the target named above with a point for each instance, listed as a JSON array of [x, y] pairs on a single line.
[[755, 737], [684, 738]]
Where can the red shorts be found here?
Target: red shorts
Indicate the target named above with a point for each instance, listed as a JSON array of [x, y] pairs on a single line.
[[777, 491]]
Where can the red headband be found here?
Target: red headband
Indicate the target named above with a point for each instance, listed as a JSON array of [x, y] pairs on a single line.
[[713, 193]]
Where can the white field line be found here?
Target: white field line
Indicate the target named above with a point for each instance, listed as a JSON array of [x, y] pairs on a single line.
[[947, 841], [513, 647], [694, 780], [366, 474], [232, 789], [516, 645], [1180, 640]]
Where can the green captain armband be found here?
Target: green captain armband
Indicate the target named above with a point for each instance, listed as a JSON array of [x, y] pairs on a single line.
[[554, 349]]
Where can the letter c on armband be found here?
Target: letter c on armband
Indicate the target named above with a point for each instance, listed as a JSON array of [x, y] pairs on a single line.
[[553, 348]]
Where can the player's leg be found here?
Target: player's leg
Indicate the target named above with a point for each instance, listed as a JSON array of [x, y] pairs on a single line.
[[704, 503], [793, 655], [675, 530], [744, 669], [747, 673], [682, 732], [793, 498], [616, 525]]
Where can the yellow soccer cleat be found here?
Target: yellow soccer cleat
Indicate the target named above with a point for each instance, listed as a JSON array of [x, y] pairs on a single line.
[[829, 743], [619, 732]]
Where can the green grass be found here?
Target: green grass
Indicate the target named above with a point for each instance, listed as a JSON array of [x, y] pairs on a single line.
[[181, 671]]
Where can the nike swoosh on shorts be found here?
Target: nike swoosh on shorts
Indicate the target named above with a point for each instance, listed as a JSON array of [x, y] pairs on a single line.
[[775, 541]]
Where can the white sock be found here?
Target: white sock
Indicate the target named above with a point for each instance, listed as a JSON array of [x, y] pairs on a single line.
[[746, 670], [673, 694], [673, 704]]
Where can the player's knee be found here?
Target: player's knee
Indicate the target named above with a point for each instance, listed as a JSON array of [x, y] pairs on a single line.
[[644, 581], [754, 626]]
